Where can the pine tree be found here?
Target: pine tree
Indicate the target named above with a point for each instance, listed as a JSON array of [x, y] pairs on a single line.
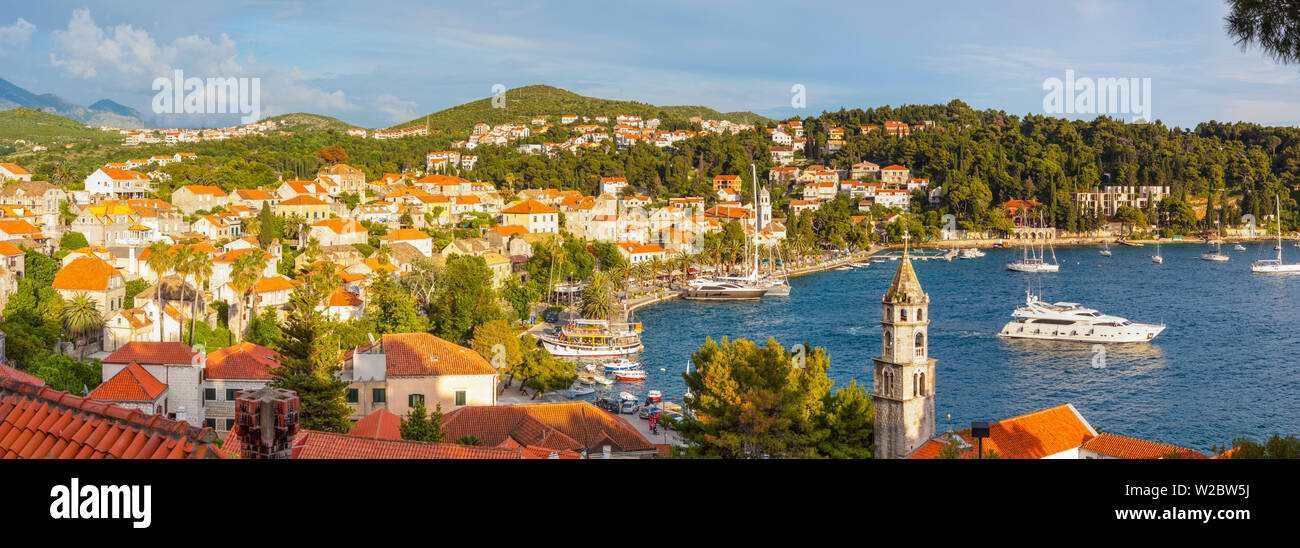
[[420, 425], [310, 358]]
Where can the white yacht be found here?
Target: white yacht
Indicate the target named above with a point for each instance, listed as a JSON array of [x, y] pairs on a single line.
[[1275, 266], [1158, 258], [971, 253], [723, 290], [1073, 323], [1035, 261]]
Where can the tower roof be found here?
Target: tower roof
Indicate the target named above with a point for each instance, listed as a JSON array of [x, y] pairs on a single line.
[[905, 288]]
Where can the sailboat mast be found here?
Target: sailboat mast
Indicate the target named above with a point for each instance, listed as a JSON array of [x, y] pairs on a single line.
[[1278, 200]]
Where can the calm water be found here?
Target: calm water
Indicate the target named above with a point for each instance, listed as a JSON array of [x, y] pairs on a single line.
[[1227, 364]]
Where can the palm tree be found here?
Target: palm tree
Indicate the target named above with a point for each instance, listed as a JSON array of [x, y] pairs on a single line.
[[200, 266], [182, 265], [245, 273], [161, 259], [80, 317], [598, 298], [618, 277], [684, 259]]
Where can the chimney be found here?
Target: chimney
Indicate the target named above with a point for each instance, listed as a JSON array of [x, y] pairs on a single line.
[[180, 413], [268, 422]]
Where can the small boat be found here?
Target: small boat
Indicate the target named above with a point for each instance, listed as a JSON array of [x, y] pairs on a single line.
[[1106, 251], [654, 396], [1238, 247], [1266, 266], [619, 364], [630, 375], [626, 396], [844, 268], [1157, 258], [580, 390], [1130, 243], [1217, 256], [601, 380], [971, 253]]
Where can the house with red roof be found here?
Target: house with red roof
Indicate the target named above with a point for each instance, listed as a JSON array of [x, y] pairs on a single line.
[[400, 368], [229, 371], [191, 198], [13, 172], [174, 364], [95, 278], [534, 216], [39, 422], [338, 231], [132, 388]]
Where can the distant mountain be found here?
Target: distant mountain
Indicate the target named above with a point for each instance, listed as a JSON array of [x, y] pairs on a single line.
[[39, 126], [102, 113], [540, 100]]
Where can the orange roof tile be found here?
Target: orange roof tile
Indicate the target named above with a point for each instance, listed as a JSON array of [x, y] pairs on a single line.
[[529, 207], [568, 426], [1132, 448], [381, 424], [242, 361], [420, 354], [152, 353], [406, 234], [85, 274], [41, 422], [132, 384]]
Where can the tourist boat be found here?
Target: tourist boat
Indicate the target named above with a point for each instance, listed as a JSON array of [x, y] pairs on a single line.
[[1073, 323], [1275, 266], [971, 253], [1217, 256], [1157, 258], [619, 364], [630, 375], [593, 338]]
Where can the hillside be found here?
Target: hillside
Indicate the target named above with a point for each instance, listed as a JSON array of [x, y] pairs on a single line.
[[522, 104], [302, 121], [102, 113], [43, 127]]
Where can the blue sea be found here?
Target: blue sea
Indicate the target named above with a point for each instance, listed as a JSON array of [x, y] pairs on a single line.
[[1227, 365]]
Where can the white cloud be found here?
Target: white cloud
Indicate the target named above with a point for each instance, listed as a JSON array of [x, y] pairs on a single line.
[[17, 34], [397, 110]]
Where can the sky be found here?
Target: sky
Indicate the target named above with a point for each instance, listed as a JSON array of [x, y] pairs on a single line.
[[378, 63]]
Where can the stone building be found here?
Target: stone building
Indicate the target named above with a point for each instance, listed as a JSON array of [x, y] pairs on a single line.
[[903, 392]]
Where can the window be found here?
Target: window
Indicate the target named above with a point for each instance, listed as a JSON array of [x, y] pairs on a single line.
[[922, 384], [378, 396], [230, 423], [210, 394], [460, 397], [210, 423], [413, 399], [231, 394], [920, 315], [903, 311], [352, 395]]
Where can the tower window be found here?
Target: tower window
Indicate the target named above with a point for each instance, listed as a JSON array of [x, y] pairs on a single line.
[[922, 384], [915, 385], [920, 315], [903, 311]]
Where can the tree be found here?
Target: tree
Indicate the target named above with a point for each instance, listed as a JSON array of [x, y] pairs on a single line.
[[390, 308], [540, 370], [244, 275], [161, 259], [598, 297], [467, 300], [73, 241], [489, 336], [469, 439], [198, 265], [748, 401], [81, 317], [310, 357], [264, 330], [420, 425], [1277, 447], [269, 229], [331, 155], [1273, 25]]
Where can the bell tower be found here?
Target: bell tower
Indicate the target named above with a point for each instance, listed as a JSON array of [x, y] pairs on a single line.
[[903, 381]]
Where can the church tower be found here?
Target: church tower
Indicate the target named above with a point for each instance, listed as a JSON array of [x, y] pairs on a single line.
[[764, 209], [903, 388]]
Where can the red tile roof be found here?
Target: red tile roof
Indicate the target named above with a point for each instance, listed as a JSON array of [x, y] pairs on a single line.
[[420, 354], [6, 371], [569, 426], [1132, 448], [530, 207], [242, 361], [152, 353], [310, 444], [343, 297], [1032, 436], [382, 424], [85, 274], [132, 384], [41, 422]]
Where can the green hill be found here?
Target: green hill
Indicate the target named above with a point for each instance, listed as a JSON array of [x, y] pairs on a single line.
[[522, 104], [302, 121], [45, 128]]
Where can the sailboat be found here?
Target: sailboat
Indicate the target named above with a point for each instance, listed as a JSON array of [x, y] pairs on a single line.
[[1217, 256], [1036, 263], [1105, 252], [735, 288], [1271, 266], [1157, 258]]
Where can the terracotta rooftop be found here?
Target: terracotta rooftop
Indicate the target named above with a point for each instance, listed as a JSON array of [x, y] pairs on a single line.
[[1032, 436], [242, 361], [152, 353], [569, 426], [382, 424], [1132, 448], [40, 422], [131, 384], [420, 354], [310, 444], [85, 274], [529, 207]]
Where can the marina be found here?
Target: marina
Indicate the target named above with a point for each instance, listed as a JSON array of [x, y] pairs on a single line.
[[1226, 330]]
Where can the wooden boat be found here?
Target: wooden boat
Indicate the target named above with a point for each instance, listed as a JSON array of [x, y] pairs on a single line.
[[630, 375]]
